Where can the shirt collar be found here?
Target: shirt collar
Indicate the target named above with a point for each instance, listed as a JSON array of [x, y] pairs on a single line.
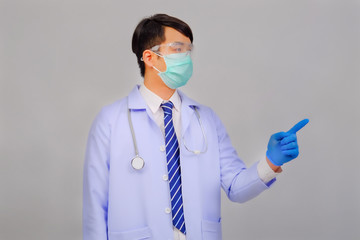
[[154, 101]]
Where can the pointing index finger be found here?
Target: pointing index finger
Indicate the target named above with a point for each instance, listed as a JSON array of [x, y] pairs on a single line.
[[298, 126]]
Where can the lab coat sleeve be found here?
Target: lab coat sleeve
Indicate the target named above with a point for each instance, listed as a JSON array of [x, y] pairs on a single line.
[[239, 182], [95, 182]]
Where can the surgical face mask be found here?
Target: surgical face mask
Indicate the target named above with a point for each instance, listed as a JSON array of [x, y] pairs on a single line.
[[179, 69]]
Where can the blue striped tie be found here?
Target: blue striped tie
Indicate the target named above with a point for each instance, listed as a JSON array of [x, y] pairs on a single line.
[[173, 165]]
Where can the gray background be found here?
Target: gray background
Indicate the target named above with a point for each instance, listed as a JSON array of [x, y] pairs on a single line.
[[276, 62]]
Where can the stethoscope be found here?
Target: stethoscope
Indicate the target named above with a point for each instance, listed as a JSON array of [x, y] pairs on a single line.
[[138, 162]]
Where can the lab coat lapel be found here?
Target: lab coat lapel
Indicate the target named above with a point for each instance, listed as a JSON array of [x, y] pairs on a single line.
[[187, 111], [137, 102]]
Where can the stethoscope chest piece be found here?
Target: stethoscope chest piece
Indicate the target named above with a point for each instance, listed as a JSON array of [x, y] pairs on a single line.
[[137, 163]]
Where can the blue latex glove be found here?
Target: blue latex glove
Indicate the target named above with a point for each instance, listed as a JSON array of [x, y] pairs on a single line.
[[283, 147]]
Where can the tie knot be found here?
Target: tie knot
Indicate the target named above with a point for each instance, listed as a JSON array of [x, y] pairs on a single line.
[[167, 107]]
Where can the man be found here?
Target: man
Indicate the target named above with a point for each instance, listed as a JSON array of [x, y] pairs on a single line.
[[156, 160]]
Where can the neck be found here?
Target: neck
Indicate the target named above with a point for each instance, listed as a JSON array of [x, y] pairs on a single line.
[[157, 86]]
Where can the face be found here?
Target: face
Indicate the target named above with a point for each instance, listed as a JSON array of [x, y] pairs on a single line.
[[171, 36]]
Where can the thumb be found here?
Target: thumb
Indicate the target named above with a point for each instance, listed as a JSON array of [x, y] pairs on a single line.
[[280, 135]]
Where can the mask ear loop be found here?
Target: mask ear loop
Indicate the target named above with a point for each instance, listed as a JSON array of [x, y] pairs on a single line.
[[141, 59], [154, 66], [156, 69]]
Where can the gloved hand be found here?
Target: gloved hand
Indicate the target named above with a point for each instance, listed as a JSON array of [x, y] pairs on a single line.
[[283, 147]]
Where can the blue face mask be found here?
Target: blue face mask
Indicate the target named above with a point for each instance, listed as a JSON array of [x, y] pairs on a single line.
[[179, 69]]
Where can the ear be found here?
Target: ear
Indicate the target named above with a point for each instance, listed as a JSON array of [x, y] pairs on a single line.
[[147, 57]]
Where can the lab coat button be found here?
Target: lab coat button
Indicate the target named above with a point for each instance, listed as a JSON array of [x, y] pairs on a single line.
[[162, 148], [167, 210], [165, 177]]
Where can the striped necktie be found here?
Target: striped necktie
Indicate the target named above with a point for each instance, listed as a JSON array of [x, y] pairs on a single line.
[[173, 165]]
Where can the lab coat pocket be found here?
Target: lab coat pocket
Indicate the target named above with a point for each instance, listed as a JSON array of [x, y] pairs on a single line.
[[135, 234], [211, 230]]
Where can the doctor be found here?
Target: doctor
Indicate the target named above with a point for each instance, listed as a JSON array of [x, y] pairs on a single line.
[[156, 159]]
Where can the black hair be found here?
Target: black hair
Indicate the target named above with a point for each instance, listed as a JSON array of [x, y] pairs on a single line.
[[150, 32]]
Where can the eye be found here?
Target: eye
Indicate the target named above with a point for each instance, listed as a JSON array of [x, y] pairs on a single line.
[[177, 47]]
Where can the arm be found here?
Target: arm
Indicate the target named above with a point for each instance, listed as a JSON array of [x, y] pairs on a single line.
[[95, 182], [240, 183]]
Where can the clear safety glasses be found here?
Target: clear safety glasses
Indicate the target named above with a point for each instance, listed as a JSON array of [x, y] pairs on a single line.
[[173, 47]]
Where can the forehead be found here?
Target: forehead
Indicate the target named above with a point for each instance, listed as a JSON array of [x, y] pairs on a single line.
[[172, 35]]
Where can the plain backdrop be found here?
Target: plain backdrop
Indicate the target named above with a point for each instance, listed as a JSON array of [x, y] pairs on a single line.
[[261, 65]]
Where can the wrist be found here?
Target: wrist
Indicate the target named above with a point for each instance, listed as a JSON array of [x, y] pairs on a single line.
[[275, 168]]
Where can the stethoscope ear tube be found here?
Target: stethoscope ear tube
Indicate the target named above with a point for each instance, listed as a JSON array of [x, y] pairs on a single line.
[[137, 162], [132, 132], [197, 152]]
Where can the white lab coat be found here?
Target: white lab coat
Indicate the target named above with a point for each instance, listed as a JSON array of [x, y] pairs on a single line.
[[120, 202]]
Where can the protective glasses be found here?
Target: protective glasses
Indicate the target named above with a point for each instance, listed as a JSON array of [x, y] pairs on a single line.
[[173, 47]]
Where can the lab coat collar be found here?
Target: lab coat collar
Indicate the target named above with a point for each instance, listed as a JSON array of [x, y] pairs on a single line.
[[135, 100], [186, 101], [154, 101]]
